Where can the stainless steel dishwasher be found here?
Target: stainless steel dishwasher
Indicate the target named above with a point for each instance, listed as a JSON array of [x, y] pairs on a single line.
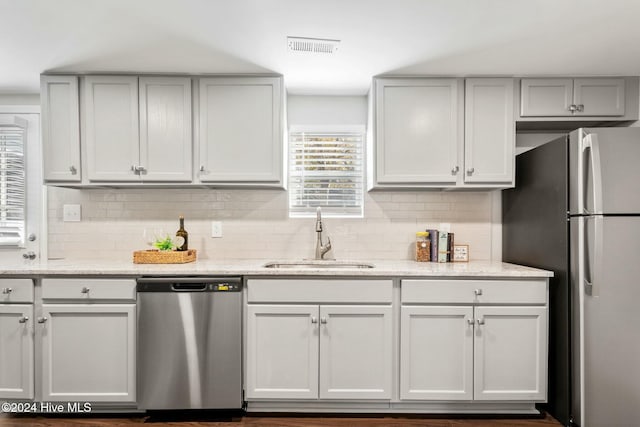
[[189, 343]]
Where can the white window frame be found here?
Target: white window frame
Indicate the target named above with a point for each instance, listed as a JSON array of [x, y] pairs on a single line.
[[326, 211], [5, 224]]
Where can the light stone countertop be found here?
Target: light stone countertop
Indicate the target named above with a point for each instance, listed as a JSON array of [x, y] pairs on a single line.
[[255, 267]]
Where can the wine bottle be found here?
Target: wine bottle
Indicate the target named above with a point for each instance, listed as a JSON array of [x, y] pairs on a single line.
[[182, 233]]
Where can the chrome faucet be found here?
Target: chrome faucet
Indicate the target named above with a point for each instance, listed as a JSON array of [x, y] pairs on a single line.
[[320, 248]]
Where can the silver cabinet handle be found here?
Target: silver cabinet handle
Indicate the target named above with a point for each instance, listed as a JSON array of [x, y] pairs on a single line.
[[42, 319], [85, 290], [455, 170], [23, 319], [323, 320], [480, 321], [314, 319], [73, 170], [7, 290], [201, 168], [470, 322], [29, 255], [470, 171], [138, 169], [478, 292], [572, 108], [580, 108]]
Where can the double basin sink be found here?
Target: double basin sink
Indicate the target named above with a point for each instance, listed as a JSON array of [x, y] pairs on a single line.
[[317, 264]]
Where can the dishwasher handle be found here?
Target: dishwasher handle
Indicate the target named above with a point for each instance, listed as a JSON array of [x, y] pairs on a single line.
[[188, 287]]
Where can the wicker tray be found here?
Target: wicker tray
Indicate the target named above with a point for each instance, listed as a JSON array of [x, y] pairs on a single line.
[[164, 257]]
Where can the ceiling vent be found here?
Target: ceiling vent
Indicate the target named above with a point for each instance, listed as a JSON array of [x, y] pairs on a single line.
[[309, 45]]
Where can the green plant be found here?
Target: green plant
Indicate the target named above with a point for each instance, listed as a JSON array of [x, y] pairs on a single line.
[[165, 244]]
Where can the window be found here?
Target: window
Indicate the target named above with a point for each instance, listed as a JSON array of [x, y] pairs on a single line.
[[326, 169], [12, 185]]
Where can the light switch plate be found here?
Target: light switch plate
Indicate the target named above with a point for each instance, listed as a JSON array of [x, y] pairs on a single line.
[[216, 228], [71, 213]]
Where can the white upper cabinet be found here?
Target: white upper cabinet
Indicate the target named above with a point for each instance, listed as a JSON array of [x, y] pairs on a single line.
[[417, 131], [443, 133], [599, 97], [585, 97], [489, 131], [165, 129], [241, 128], [60, 128], [111, 128]]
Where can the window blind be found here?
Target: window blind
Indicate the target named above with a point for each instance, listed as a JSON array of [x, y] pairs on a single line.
[[326, 169], [12, 186]]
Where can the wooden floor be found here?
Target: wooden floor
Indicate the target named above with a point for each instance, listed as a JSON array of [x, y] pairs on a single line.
[[278, 421]]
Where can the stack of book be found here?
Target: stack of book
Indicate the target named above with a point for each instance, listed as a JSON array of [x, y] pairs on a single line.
[[441, 245]]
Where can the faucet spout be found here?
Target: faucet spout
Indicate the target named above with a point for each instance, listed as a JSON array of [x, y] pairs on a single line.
[[321, 249]]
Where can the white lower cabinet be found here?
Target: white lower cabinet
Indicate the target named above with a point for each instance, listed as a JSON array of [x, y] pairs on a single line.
[[436, 354], [300, 349], [88, 352], [510, 353], [472, 351], [88, 335], [326, 352], [16, 351], [282, 356], [16, 339]]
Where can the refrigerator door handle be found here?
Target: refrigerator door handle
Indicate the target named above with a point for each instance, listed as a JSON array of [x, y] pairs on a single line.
[[590, 142], [592, 288]]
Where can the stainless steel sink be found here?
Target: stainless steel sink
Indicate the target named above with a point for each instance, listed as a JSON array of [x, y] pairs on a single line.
[[312, 264]]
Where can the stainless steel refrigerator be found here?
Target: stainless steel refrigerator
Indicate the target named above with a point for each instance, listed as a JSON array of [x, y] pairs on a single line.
[[575, 210]]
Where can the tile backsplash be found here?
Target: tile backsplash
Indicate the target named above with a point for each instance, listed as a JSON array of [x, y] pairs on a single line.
[[256, 224]]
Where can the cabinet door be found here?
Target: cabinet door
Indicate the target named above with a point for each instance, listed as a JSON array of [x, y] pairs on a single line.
[[417, 131], [510, 353], [16, 351], [60, 128], [241, 130], [111, 127], [436, 353], [546, 97], [165, 128], [88, 352], [489, 136], [599, 97], [282, 352], [355, 352]]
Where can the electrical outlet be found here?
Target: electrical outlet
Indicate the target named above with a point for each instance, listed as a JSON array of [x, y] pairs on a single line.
[[71, 213], [216, 228]]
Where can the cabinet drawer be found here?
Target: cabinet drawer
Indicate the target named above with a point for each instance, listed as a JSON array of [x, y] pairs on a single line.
[[474, 291], [320, 291], [16, 290], [89, 289]]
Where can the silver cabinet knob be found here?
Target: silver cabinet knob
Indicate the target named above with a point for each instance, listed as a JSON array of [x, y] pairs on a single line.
[[323, 320], [470, 171], [85, 290], [480, 321], [23, 319], [29, 255], [478, 292], [455, 170], [572, 108], [580, 108], [201, 168], [470, 322], [314, 319], [31, 237], [7, 290], [73, 170], [42, 319]]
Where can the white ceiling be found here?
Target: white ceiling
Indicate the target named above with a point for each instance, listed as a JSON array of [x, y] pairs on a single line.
[[436, 37]]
